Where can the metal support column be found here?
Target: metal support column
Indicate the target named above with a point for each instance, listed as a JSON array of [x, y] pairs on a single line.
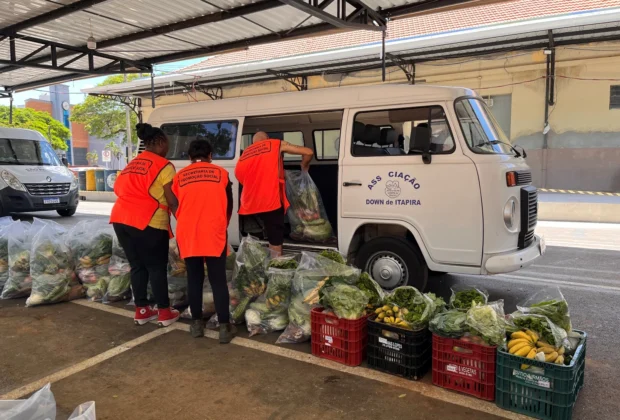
[[152, 90], [383, 55], [549, 100], [11, 108]]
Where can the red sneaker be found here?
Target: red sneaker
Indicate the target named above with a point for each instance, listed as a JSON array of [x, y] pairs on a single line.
[[167, 317], [144, 314]]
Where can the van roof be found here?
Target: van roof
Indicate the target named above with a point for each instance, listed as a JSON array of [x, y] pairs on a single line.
[[21, 134], [307, 101]]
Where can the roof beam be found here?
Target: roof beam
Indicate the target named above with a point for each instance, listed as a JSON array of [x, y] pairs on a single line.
[[165, 29], [338, 21], [49, 16]]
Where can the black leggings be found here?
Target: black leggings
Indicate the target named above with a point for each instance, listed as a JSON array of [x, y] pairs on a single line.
[[216, 267], [147, 253]]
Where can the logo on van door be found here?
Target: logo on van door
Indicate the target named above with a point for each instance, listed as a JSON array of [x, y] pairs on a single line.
[[392, 189]]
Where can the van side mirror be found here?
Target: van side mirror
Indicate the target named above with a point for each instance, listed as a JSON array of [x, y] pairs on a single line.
[[64, 161], [421, 137]]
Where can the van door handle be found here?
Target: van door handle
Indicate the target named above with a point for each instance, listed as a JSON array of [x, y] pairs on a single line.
[[351, 184]]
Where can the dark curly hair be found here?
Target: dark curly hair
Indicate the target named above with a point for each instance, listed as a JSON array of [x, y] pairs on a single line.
[[199, 149], [150, 135]]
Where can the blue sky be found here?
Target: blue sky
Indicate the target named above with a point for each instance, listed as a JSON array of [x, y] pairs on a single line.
[[76, 86]]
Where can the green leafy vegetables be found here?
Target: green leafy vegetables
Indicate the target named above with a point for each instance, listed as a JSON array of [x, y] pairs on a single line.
[[449, 324], [346, 301], [463, 297], [306, 215]]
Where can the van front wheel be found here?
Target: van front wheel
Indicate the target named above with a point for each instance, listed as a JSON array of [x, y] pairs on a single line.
[[393, 262], [67, 212]]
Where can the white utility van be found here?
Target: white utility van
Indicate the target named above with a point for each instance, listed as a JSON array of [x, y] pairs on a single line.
[[413, 178], [32, 178]]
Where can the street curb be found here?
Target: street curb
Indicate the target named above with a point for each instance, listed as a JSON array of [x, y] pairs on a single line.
[[98, 196]]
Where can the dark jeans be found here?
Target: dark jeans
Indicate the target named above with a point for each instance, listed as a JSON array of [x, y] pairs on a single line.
[[216, 267], [147, 252]]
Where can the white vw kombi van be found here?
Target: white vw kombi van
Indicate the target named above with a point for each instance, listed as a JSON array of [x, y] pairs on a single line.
[[413, 178], [32, 178]]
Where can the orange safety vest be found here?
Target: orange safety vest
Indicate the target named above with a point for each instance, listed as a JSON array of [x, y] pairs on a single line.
[[135, 206], [261, 172], [202, 219]]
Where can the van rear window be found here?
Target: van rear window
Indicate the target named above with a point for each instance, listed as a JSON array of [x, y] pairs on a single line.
[[221, 134]]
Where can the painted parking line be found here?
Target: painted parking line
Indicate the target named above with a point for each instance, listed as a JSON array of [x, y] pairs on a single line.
[[608, 194], [540, 280], [83, 365], [424, 389]]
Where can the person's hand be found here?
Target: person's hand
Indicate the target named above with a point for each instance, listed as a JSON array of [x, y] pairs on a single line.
[[305, 166]]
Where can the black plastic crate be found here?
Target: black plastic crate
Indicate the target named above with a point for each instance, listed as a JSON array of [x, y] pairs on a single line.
[[398, 351], [548, 395]]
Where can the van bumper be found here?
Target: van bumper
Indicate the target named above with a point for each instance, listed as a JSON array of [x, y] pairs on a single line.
[[515, 260], [14, 201]]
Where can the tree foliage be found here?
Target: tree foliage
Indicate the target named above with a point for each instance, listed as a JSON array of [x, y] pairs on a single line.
[[38, 121], [105, 118]]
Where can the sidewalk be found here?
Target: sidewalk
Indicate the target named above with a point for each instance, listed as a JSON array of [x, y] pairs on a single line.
[[563, 207]]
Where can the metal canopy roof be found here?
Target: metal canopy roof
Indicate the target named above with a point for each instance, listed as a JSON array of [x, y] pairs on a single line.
[[43, 42]]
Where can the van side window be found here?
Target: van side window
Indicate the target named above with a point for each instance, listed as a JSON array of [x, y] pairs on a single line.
[[326, 144], [392, 132], [221, 134], [292, 137]]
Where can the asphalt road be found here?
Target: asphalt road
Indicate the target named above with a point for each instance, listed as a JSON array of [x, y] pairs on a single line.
[[586, 267]]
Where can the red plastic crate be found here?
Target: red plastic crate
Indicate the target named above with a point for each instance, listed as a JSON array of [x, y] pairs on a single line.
[[340, 340], [465, 367]]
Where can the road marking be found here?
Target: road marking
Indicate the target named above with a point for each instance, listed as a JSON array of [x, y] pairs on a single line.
[[426, 390], [579, 192], [85, 364], [538, 280], [588, 270], [568, 277]]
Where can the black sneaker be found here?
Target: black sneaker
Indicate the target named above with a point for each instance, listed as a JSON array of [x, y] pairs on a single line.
[[197, 329], [227, 333]]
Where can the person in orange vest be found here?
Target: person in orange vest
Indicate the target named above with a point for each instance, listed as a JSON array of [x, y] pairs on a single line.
[[205, 199], [261, 172], [141, 220]]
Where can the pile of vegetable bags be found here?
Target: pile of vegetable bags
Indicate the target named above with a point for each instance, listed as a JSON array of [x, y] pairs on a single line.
[[471, 317], [177, 276], [5, 222], [314, 273], [51, 268], [20, 235], [119, 286], [307, 214], [91, 243], [546, 313], [270, 312]]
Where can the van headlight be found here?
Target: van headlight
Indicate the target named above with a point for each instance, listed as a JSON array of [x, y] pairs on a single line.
[[74, 183], [12, 181], [510, 213]]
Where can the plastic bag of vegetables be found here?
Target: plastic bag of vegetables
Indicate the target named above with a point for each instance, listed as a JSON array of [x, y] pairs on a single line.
[[346, 301], [250, 276], [91, 244], [416, 308], [119, 287], [177, 275], [546, 329], [307, 214], [51, 268], [464, 296], [314, 273], [19, 282], [270, 312], [449, 324], [4, 253], [551, 303], [488, 322]]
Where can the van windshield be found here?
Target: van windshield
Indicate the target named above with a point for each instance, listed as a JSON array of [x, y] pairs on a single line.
[[480, 128], [27, 152]]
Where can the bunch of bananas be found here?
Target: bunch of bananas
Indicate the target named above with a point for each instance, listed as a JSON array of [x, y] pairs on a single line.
[[392, 315], [528, 344]]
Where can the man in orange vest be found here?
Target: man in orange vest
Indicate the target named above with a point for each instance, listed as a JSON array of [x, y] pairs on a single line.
[[261, 172], [205, 199], [142, 224]]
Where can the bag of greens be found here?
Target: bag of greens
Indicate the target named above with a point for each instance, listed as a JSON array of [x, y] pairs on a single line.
[[270, 312], [549, 302], [307, 214], [91, 243], [4, 253], [464, 296], [417, 309], [346, 301], [19, 282], [488, 322], [449, 324], [119, 287], [51, 268], [546, 329]]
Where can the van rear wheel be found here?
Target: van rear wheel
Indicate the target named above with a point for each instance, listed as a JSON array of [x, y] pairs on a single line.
[[393, 262]]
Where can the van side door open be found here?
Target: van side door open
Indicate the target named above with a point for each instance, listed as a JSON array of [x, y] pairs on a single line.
[[384, 182]]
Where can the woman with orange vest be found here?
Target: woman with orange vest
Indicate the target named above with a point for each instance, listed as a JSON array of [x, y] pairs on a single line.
[[141, 219], [261, 172], [205, 199]]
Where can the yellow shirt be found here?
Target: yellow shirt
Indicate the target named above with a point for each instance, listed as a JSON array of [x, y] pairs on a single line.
[[160, 219]]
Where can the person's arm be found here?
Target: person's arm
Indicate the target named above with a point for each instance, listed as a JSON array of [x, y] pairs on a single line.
[[305, 152], [173, 203], [229, 198]]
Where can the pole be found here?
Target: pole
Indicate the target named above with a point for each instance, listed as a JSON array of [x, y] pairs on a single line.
[[383, 55], [152, 90], [129, 151], [11, 108]]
